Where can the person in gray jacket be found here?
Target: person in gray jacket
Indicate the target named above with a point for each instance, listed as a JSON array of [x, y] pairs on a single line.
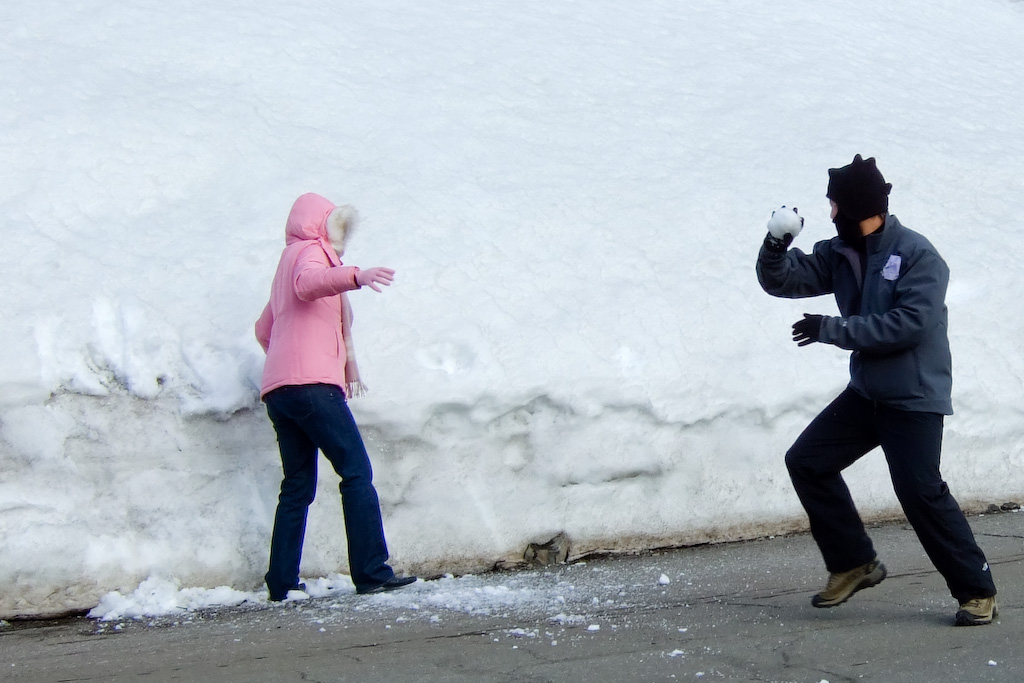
[[890, 285]]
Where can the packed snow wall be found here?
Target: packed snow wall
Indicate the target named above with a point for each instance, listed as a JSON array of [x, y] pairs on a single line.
[[101, 493]]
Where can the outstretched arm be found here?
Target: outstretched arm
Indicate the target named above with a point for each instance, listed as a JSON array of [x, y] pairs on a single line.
[[314, 277]]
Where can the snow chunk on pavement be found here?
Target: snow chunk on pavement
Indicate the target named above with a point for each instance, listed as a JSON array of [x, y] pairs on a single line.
[[157, 596]]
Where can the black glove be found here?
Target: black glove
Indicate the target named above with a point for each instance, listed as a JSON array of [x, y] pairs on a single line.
[[807, 330], [784, 224], [778, 244]]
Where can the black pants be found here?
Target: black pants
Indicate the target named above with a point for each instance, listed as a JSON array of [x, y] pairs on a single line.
[[847, 429]]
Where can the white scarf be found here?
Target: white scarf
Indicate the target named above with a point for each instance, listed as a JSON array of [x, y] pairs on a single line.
[[354, 386], [340, 224]]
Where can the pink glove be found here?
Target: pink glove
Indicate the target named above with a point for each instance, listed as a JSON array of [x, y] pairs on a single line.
[[371, 277]]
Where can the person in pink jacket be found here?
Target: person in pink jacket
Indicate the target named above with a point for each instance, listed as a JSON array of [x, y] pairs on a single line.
[[310, 372]]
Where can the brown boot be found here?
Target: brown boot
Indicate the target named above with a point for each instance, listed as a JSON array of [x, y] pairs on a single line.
[[977, 612], [841, 586]]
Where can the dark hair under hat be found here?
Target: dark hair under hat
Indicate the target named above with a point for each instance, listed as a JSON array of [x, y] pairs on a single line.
[[858, 189]]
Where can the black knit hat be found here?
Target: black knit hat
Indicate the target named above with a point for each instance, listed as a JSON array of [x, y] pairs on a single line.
[[858, 189]]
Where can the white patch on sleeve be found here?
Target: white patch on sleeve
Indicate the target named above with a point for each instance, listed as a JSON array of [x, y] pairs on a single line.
[[891, 271]]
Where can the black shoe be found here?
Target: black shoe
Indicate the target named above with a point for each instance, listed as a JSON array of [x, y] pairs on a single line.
[[392, 584], [280, 598]]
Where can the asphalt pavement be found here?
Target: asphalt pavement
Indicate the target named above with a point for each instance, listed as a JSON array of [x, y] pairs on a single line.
[[730, 612]]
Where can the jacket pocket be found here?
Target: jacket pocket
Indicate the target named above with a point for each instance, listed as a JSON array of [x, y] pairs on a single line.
[[892, 376]]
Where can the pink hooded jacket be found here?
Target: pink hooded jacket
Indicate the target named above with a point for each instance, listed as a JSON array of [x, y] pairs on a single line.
[[301, 326]]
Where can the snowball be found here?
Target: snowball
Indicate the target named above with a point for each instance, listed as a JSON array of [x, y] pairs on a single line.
[[785, 221]]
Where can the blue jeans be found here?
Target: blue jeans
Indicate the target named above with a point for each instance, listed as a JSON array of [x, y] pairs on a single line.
[[309, 417], [847, 429]]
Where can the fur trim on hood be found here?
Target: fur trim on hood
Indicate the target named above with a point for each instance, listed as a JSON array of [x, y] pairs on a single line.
[[341, 223]]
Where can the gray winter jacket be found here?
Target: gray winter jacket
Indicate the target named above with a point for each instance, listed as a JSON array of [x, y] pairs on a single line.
[[894, 321]]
